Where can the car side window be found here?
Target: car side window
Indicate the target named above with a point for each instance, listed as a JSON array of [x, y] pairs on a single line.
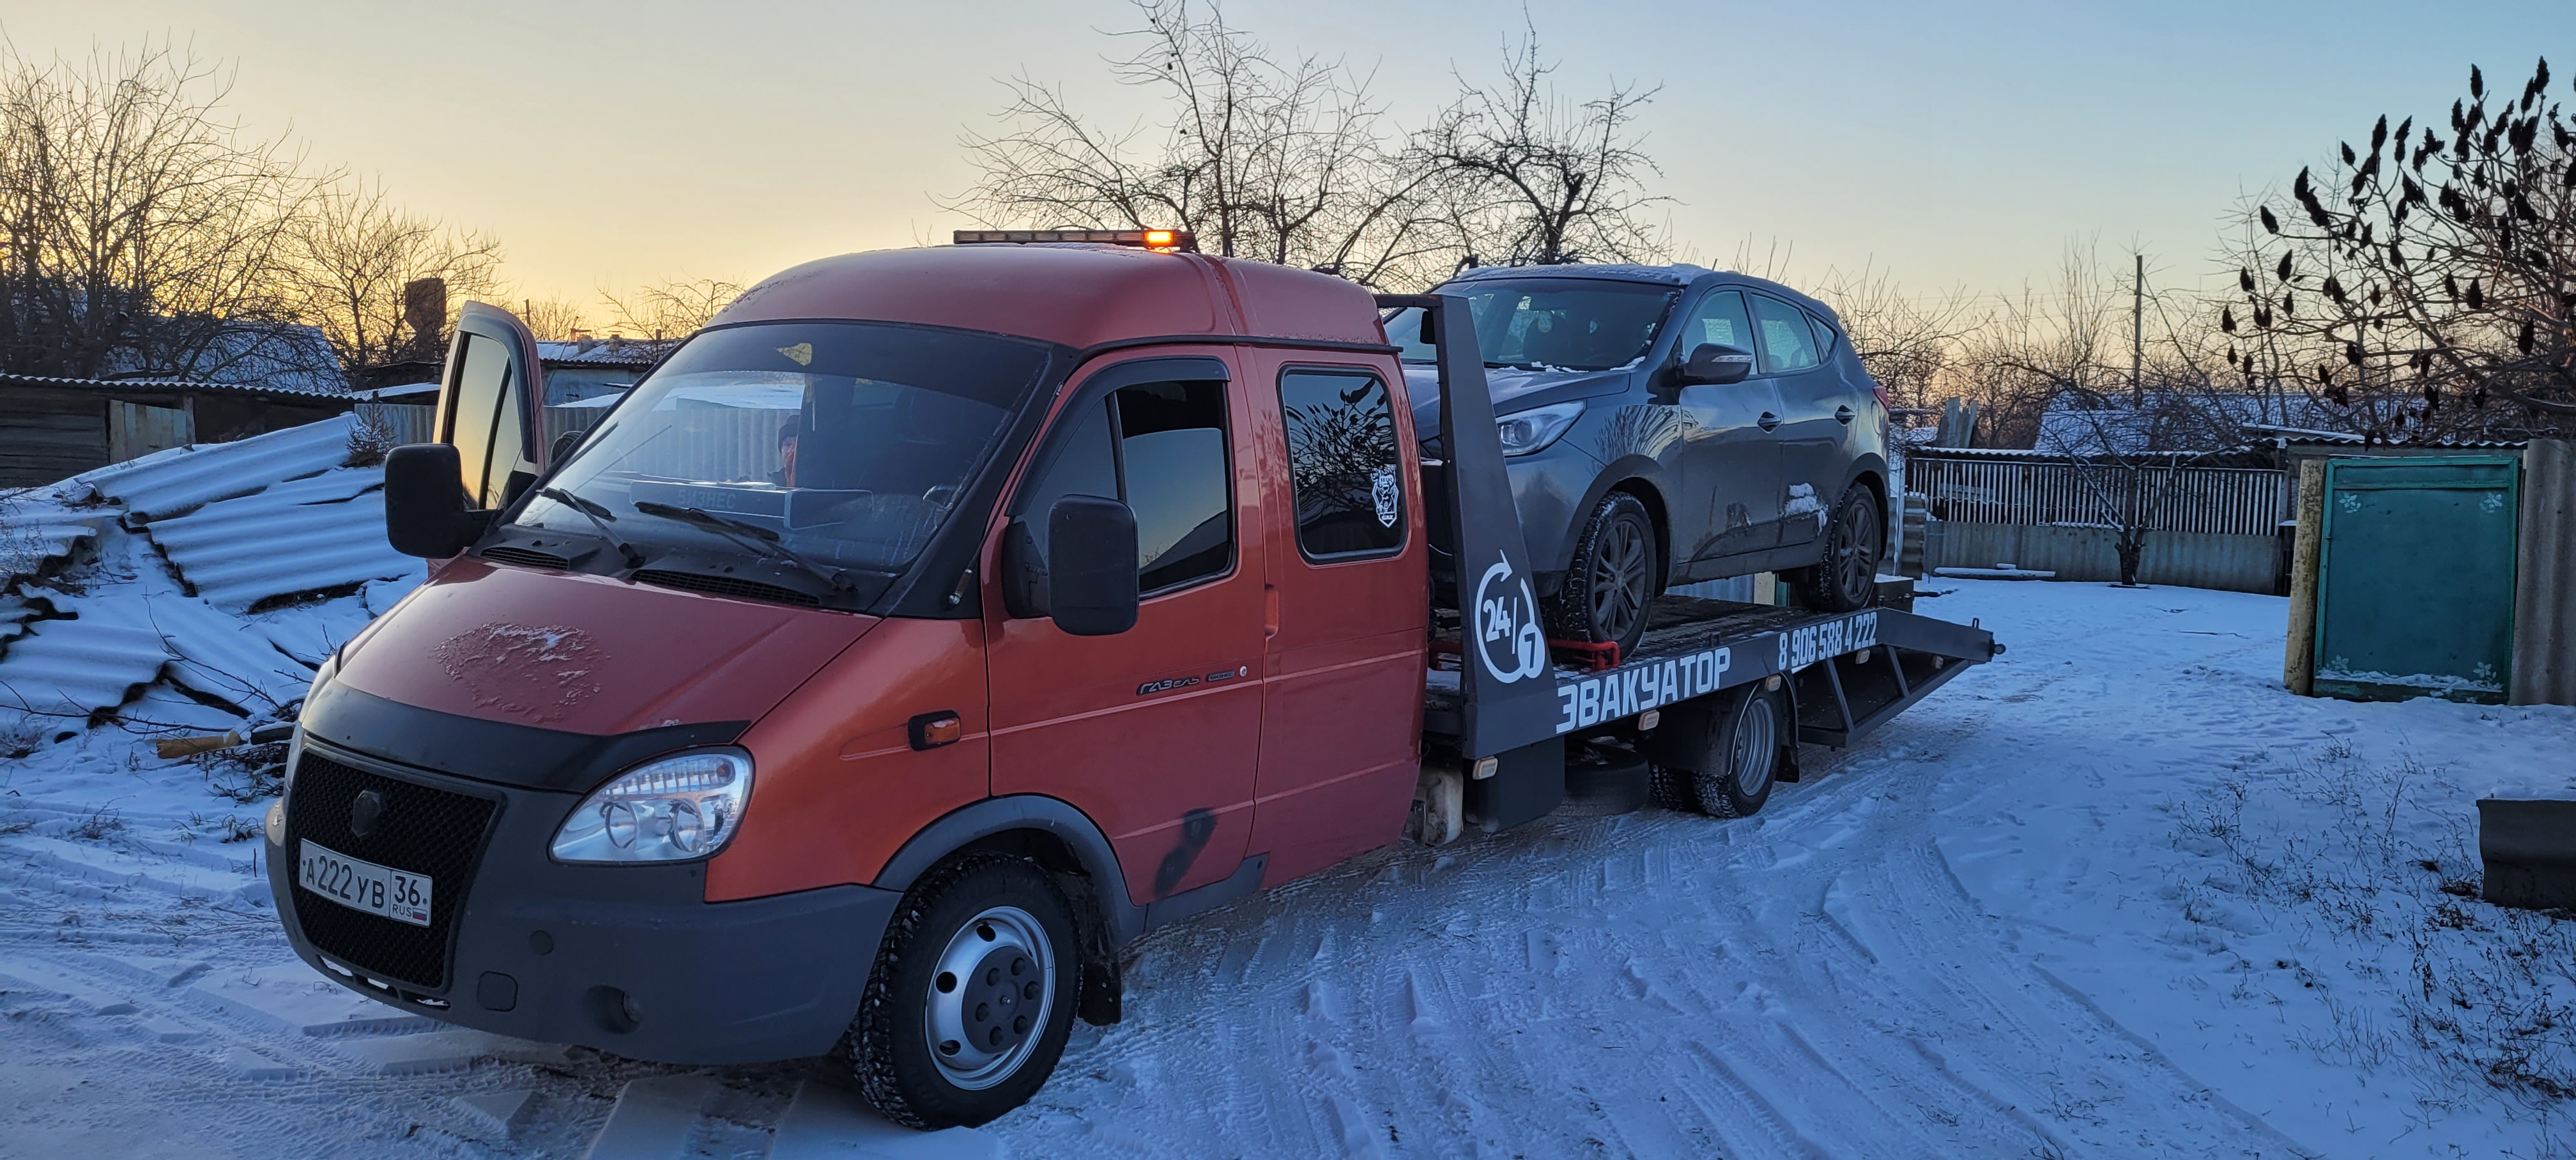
[[483, 420], [1826, 336], [1787, 344], [1342, 464], [1720, 319], [1080, 460]]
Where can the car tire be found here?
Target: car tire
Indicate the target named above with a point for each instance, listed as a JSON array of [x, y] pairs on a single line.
[[1735, 778], [1846, 579], [1610, 586], [981, 948]]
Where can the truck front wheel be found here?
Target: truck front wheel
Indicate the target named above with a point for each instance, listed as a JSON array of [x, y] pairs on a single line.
[[971, 998]]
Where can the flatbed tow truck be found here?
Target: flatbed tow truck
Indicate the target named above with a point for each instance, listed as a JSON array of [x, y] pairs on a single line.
[[937, 621]]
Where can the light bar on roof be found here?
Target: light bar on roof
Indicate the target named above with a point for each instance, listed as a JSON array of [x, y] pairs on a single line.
[[1167, 241]]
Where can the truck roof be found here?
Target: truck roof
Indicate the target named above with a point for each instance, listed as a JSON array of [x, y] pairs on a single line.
[[1076, 294]]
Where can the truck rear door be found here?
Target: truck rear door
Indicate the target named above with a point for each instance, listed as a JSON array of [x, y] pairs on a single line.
[[1151, 732], [1348, 610]]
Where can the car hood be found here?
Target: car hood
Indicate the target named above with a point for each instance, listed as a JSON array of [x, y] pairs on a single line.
[[1512, 389], [588, 654]]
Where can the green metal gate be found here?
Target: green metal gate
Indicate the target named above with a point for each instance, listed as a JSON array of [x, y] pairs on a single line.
[[2415, 578]]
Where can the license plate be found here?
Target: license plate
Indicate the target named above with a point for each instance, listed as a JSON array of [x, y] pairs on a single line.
[[361, 885]]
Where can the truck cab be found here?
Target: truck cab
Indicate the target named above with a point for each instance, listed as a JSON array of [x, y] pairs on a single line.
[[1082, 582]]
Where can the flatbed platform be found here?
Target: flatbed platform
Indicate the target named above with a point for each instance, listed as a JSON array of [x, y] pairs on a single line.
[[1850, 670]]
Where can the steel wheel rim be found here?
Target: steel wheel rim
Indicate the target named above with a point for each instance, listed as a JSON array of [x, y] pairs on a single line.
[[976, 1049], [1754, 748], [1856, 557], [1618, 579]]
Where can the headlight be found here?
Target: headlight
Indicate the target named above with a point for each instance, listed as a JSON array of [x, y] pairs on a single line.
[[670, 809], [1527, 431]]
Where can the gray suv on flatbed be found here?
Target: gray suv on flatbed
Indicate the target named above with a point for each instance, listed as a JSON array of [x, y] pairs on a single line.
[[1668, 424]]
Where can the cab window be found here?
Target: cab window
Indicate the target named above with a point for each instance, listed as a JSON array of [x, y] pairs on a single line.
[[1342, 465], [1160, 448]]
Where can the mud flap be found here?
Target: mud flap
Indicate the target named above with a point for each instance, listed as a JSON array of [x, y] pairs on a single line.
[[1526, 785], [1104, 989]]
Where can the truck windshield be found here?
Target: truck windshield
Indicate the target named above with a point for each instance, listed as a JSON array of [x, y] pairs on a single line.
[[1550, 323], [845, 443]]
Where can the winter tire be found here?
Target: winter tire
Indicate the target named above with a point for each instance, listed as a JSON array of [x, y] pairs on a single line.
[[971, 998], [1610, 586], [1743, 760], [1846, 579]]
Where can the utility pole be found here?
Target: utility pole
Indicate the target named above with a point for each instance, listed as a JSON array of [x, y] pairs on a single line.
[[2138, 335]]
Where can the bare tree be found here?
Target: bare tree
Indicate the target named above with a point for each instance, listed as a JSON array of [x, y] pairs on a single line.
[[1909, 345], [357, 251], [674, 309], [1541, 180], [2421, 280], [1286, 160], [141, 231], [555, 319]]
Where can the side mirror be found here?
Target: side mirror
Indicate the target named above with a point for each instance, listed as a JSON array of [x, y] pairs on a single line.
[[425, 512], [1091, 566], [1717, 365]]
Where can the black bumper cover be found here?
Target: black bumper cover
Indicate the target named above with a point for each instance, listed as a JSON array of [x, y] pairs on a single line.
[[627, 959]]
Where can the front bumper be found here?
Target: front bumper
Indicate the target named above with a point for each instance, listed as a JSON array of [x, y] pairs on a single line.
[[626, 959]]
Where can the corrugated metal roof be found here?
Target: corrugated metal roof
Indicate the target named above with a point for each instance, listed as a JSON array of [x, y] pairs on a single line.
[[635, 353], [2347, 439], [301, 390], [35, 529], [72, 668], [111, 646], [304, 535], [167, 483]]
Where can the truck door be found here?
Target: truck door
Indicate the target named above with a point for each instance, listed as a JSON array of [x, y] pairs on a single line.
[[1341, 714], [1816, 413], [490, 405], [1152, 732], [1731, 455]]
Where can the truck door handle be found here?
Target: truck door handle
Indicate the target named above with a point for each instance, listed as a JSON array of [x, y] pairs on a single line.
[[1842, 415], [1768, 421]]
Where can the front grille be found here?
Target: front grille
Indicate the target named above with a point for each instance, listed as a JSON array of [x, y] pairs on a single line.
[[725, 586], [421, 830], [527, 556]]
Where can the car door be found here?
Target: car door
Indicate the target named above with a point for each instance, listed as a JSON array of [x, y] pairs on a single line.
[[1730, 455], [1816, 413], [1152, 732], [1341, 705], [488, 405]]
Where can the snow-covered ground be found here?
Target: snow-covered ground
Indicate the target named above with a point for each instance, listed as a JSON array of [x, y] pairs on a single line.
[[2115, 894]]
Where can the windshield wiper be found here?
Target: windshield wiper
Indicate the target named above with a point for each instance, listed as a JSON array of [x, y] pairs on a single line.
[[760, 540], [599, 517]]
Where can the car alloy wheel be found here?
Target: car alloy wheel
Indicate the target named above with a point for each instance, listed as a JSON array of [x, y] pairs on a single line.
[[1622, 578]]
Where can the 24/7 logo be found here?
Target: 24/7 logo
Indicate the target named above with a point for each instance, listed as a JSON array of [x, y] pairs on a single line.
[[1508, 639]]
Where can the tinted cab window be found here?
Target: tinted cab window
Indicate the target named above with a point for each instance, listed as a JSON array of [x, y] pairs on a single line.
[[1160, 448], [1342, 465]]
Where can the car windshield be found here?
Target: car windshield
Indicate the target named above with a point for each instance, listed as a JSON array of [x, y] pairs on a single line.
[[1552, 323], [847, 442]]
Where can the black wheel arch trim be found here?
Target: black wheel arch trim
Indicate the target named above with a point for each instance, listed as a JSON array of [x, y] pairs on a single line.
[[993, 816], [1647, 477]]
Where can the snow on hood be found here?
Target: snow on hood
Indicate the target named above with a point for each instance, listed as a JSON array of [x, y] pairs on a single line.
[[588, 654]]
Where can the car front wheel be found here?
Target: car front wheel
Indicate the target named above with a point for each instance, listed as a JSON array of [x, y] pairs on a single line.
[[1610, 586]]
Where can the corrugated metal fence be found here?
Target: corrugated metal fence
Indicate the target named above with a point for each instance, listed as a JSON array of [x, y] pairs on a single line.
[[2213, 500], [704, 442]]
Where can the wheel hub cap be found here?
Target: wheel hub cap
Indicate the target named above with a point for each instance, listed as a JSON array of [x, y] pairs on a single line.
[[990, 996]]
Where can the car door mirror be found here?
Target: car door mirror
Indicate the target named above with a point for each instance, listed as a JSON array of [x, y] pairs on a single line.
[[426, 513], [1091, 566], [1716, 364]]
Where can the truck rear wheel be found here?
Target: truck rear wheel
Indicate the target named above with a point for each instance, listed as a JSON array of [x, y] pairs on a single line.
[[1743, 761], [971, 998], [1610, 586]]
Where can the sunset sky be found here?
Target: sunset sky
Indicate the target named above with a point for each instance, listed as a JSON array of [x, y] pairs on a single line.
[[1956, 145]]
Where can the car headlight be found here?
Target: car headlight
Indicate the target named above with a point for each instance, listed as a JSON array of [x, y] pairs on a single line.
[[1526, 431], [669, 809]]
